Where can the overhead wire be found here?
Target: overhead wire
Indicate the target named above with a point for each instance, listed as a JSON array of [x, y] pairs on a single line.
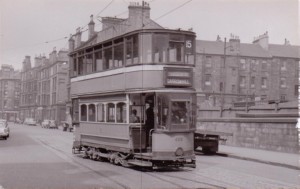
[[63, 38]]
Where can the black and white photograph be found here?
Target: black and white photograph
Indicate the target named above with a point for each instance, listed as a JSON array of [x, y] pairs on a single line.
[[149, 94]]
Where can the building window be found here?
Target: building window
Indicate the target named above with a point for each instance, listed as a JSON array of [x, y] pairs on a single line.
[[252, 84], [242, 81], [253, 64], [233, 71], [83, 113], [296, 93], [92, 112], [233, 88], [207, 80], [282, 97], [263, 97], [283, 65], [264, 82], [208, 63], [243, 64], [283, 82], [264, 65], [221, 86]]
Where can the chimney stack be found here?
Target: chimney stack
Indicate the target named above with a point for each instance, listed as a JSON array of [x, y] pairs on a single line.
[[234, 44], [91, 27], [78, 37], [139, 13], [262, 40], [286, 42], [71, 43]]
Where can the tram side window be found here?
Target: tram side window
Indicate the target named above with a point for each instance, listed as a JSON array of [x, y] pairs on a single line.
[[161, 44], [81, 66], [98, 61], [110, 112], [83, 113], [118, 55], [135, 49], [89, 63], [121, 112], [163, 109], [129, 53], [176, 51], [92, 113], [107, 59], [74, 63], [179, 112], [100, 112], [146, 48]]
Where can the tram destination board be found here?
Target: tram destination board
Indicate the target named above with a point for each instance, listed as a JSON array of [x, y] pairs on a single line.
[[178, 77]]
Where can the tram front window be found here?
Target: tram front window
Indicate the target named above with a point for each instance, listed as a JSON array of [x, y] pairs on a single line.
[[179, 112]]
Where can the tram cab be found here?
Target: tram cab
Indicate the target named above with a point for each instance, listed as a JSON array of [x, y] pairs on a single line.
[[171, 130]]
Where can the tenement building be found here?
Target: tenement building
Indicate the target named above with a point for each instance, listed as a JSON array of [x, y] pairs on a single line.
[[44, 87], [231, 73], [9, 92]]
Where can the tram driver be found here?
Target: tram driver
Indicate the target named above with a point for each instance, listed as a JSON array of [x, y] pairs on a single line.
[[150, 120]]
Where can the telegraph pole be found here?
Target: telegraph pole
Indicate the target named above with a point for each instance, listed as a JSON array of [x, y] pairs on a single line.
[[223, 78]]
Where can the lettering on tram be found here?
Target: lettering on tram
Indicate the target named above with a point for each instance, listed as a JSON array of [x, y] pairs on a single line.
[[133, 99]]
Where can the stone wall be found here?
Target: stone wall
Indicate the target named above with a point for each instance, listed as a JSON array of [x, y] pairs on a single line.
[[275, 134]]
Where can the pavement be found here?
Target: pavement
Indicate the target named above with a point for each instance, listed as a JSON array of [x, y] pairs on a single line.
[[288, 160]]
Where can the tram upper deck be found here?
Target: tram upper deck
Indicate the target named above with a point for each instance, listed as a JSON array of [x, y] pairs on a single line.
[[140, 60]]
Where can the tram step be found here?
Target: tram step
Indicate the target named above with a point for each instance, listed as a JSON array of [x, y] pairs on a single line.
[[140, 163]]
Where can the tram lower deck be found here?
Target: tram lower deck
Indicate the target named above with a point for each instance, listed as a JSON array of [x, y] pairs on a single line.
[[148, 129]]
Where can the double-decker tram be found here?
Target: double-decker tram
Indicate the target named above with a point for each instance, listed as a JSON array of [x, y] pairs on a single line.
[[133, 99]]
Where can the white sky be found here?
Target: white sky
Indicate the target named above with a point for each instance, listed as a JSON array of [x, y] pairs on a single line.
[[26, 25]]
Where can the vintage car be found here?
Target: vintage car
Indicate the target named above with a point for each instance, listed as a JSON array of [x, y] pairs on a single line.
[[52, 124], [30, 121], [4, 130], [45, 123]]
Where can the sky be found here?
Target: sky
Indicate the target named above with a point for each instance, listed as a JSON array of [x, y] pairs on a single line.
[[35, 27]]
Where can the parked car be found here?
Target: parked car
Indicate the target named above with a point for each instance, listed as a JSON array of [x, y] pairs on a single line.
[[4, 130], [4, 121], [18, 121], [52, 124], [30, 121], [46, 123]]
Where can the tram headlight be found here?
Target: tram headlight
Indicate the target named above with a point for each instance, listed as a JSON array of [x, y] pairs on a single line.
[[179, 152]]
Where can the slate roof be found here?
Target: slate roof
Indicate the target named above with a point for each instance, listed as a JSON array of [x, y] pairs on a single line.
[[217, 48], [288, 51], [248, 49]]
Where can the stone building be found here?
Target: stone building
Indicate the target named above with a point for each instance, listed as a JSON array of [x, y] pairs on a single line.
[[10, 86], [259, 72], [46, 83], [28, 94]]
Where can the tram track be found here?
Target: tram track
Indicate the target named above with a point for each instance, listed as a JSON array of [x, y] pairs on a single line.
[[186, 179], [75, 162], [156, 175]]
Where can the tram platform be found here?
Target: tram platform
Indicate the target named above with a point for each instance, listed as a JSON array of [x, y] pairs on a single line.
[[288, 160]]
